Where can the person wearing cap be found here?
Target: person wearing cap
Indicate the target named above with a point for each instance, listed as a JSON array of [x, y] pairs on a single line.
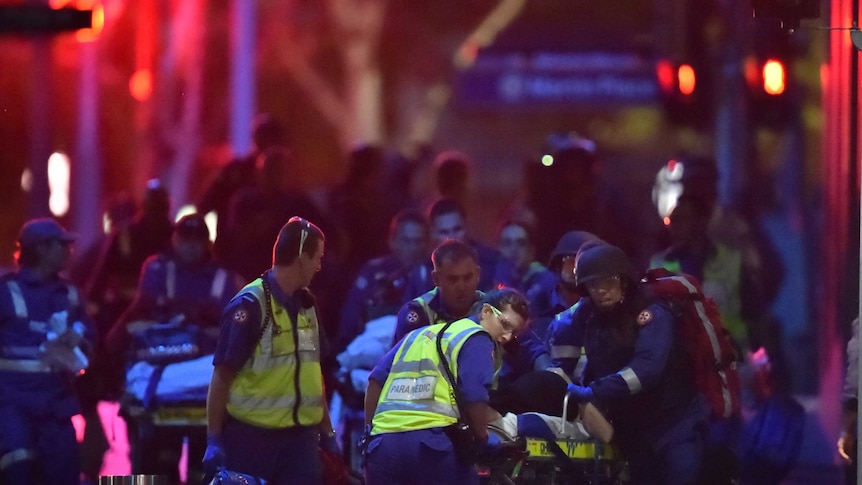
[[46, 338], [266, 408], [184, 285], [635, 373]]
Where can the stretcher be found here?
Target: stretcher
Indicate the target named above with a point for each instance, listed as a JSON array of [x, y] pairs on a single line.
[[567, 453], [169, 395], [163, 406]]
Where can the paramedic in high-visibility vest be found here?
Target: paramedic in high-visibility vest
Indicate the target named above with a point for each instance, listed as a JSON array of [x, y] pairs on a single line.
[[409, 402], [636, 371], [45, 340], [266, 409]]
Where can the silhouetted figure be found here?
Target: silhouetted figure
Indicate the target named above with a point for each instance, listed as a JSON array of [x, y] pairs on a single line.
[[256, 213], [565, 192], [239, 173], [114, 278], [360, 209]]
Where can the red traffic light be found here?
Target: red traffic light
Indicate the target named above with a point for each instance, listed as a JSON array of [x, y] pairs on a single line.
[[766, 76]]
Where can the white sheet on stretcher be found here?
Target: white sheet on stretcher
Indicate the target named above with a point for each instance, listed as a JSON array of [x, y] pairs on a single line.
[[571, 429], [190, 378]]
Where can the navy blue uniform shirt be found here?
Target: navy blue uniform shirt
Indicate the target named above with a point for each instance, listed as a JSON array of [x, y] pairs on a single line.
[[241, 325]]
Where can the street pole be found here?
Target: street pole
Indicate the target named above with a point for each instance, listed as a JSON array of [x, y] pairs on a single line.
[[243, 74]]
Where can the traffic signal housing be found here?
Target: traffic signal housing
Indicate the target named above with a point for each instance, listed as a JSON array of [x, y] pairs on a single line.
[[685, 93], [42, 19], [768, 85]]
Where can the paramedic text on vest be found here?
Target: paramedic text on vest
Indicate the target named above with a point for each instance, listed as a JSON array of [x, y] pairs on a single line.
[[45, 337], [266, 409], [409, 402], [635, 371]]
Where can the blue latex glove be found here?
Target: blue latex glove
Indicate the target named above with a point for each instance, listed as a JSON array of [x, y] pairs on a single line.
[[330, 444], [580, 393], [214, 456], [492, 446]]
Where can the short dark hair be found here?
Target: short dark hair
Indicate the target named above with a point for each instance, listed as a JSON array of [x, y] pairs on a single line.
[[453, 250], [443, 206], [504, 296], [290, 240], [403, 217]]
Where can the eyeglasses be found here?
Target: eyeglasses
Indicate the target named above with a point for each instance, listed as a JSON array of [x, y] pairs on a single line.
[[506, 324], [568, 259], [303, 235]]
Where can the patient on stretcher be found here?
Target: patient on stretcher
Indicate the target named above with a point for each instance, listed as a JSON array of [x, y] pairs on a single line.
[[533, 406]]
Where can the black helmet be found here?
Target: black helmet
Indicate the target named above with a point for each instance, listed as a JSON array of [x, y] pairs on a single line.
[[598, 261], [569, 245]]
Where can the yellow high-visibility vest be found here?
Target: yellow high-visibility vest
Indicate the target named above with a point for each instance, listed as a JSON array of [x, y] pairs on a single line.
[[416, 394], [280, 385]]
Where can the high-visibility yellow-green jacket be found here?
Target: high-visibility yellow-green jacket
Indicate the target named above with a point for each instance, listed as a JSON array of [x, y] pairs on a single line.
[[280, 385], [416, 394]]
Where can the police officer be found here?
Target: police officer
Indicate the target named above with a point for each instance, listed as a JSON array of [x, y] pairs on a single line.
[[266, 408], [185, 285], [456, 276], [636, 371], [379, 286], [409, 401], [45, 334]]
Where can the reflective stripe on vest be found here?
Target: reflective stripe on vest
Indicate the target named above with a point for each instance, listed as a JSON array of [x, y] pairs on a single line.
[[21, 305], [423, 301], [416, 394], [433, 317], [17, 299], [263, 393]]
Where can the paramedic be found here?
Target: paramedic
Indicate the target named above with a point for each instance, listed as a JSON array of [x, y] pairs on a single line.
[[409, 442], [635, 371], [44, 331], [187, 286], [266, 409], [456, 276]]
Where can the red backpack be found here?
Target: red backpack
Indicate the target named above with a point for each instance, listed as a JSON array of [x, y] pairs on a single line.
[[710, 350]]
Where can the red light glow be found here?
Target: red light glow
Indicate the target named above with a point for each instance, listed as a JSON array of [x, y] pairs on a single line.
[[664, 72], [773, 77], [687, 80], [141, 84]]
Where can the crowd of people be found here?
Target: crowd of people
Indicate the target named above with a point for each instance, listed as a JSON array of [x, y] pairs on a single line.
[[559, 290]]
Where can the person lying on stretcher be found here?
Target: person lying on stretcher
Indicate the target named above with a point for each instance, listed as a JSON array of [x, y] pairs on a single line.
[[533, 404]]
